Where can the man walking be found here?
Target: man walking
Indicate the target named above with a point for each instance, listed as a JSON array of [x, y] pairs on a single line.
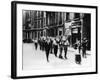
[[55, 47], [47, 48], [36, 44], [51, 45], [66, 43], [84, 45], [61, 49]]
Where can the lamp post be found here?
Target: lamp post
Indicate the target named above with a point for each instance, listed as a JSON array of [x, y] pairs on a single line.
[[81, 19]]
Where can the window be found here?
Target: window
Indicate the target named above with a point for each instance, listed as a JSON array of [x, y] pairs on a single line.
[[77, 15], [67, 16]]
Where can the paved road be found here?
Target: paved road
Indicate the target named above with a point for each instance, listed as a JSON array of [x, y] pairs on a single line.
[[36, 59]]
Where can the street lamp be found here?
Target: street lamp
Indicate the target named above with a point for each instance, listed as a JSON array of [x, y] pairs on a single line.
[[81, 19]]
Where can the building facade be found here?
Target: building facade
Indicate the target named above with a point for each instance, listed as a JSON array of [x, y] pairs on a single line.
[[75, 26], [34, 23]]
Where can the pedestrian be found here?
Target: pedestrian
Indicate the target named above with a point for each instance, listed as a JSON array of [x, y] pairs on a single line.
[[66, 44], [42, 44], [78, 45], [60, 49], [55, 47], [39, 42], [51, 45], [84, 45], [47, 49], [36, 44]]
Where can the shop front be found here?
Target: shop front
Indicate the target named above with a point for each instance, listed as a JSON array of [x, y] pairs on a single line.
[[76, 34]]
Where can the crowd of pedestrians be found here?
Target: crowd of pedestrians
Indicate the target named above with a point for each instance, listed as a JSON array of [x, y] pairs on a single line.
[[52, 45]]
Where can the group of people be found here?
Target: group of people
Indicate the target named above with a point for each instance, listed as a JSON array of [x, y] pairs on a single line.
[[81, 46], [52, 45]]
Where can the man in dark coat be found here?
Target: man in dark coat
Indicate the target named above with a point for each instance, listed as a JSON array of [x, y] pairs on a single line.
[[47, 49], [51, 45], [43, 45], [61, 46], [55, 47], [84, 45], [39, 42]]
